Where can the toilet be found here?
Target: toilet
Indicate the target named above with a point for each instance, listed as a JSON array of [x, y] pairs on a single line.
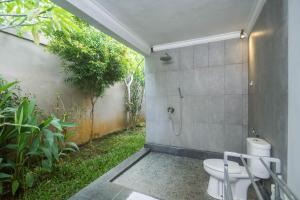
[[238, 177]]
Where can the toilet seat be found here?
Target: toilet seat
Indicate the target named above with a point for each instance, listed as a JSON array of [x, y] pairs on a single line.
[[238, 178], [218, 165]]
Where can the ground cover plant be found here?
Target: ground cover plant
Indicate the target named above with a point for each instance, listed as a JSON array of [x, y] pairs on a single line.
[[81, 168]]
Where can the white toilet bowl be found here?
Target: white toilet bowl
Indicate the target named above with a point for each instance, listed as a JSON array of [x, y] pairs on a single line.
[[238, 177]]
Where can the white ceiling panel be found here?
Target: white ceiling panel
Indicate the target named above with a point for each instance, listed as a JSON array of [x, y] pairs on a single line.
[[164, 21], [143, 24]]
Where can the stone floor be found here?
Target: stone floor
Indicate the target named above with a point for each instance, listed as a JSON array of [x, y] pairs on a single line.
[[167, 177], [149, 175]]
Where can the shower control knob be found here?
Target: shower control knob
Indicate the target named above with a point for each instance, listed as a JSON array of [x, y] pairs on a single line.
[[171, 110]]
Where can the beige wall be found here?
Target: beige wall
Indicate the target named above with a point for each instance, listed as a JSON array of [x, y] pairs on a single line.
[[40, 74]]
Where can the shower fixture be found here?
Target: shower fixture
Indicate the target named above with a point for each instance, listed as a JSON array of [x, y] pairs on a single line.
[[172, 115], [171, 110], [166, 57], [180, 94]]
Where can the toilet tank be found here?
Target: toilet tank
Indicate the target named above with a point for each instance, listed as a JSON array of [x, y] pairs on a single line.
[[258, 147]]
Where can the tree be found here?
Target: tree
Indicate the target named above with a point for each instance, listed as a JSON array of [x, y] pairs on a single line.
[[134, 82], [35, 16], [93, 61]]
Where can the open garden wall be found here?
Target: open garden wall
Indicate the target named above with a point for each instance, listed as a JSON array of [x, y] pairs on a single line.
[[40, 75]]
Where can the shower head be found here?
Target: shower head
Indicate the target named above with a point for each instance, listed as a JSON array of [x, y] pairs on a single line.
[[166, 57]]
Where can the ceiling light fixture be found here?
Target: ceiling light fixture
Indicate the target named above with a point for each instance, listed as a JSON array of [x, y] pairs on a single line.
[[243, 34]]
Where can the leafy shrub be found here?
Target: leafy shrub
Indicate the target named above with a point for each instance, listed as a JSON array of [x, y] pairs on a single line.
[[135, 86], [28, 145], [93, 61]]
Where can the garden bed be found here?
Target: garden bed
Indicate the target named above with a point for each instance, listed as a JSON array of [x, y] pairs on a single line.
[[81, 168]]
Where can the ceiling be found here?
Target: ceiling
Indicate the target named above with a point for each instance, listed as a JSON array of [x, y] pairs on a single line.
[[165, 21], [145, 23]]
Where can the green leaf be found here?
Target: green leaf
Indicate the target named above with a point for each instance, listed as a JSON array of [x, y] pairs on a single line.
[[4, 175], [59, 135], [46, 122], [29, 179], [5, 87], [31, 106], [62, 154], [35, 34], [49, 136], [68, 124], [1, 188], [47, 153], [7, 165], [73, 145], [12, 146], [32, 153], [55, 151], [47, 165], [35, 145], [56, 123], [19, 117], [15, 186], [69, 149]]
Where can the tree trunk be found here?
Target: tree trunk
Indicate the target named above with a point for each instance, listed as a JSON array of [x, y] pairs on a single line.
[[93, 101], [128, 82], [137, 114]]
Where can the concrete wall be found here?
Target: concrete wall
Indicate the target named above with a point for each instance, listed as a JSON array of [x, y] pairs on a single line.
[[40, 74], [213, 81], [268, 68], [293, 174]]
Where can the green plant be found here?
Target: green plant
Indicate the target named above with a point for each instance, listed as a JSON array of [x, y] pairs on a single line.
[[134, 82], [93, 61], [27, 143], [78, 170], [136, 101]]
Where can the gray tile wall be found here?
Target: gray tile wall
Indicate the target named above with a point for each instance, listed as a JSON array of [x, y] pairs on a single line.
[[293, 172], [213, 79], [293, 165], [268, 68]]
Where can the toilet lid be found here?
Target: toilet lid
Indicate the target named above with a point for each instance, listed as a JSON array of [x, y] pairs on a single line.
[[218, 165]]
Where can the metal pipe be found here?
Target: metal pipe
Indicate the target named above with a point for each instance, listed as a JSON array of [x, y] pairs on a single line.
[[280, 183], [227, 187], [180, 94], [252, 179], [276, 176]]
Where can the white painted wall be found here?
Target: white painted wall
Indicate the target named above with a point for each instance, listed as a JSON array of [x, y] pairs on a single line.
[[40, 74]]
